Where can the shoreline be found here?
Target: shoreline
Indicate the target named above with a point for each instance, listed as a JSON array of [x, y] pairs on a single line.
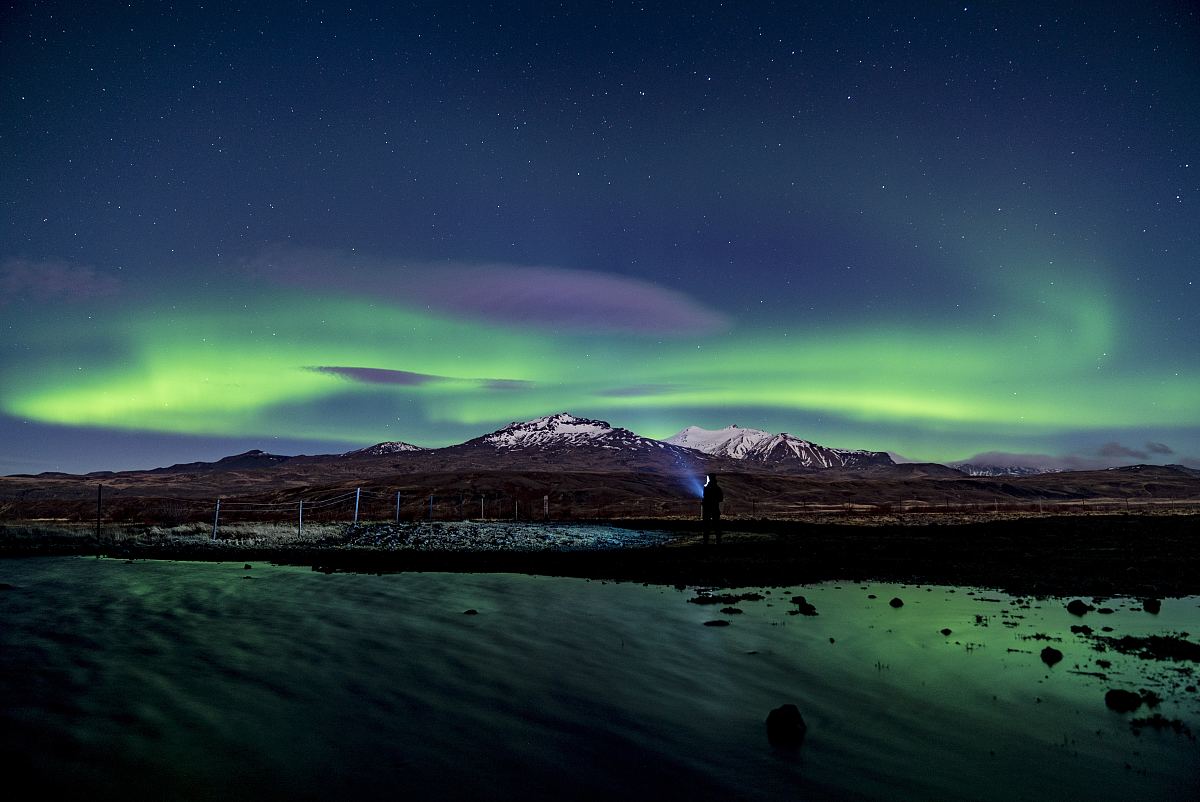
[[1097, 555]]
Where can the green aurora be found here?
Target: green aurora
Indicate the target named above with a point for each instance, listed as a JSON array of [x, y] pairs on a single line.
[[271, 368]]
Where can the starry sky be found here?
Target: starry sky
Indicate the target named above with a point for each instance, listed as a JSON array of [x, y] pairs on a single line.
[[931, 228]]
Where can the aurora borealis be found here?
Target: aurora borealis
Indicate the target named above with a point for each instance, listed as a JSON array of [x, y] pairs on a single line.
[[937, 230]]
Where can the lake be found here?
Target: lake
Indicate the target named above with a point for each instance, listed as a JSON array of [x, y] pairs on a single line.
[[209, 681]]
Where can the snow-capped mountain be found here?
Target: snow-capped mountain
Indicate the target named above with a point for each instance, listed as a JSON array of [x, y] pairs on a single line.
[[383, 449], [563, 430], [732, 441], [755, 445], [566, 441]]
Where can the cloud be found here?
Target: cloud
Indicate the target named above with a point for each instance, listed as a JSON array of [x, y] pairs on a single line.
[[544, 297], [379, 375], [407, 378], [636, 390], [1045, 462], [1115, 449], [53, 280], [1108, 455], [505, 384]]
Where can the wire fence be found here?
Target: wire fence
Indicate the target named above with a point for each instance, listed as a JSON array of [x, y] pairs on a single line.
[[300, 508]]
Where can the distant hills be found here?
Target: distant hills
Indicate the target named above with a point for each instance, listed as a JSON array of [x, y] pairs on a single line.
[[982, 469]]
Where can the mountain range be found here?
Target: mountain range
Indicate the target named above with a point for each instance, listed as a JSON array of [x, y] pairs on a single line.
[[581, 468], [570, 441], [566, 442]]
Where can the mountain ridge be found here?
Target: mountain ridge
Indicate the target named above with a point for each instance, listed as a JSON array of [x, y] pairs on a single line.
[[758, 446]]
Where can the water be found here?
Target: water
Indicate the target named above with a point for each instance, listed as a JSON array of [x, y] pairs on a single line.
[[208, 681]]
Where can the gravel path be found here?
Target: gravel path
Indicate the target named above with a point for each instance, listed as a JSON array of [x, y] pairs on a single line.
[[511, 536]]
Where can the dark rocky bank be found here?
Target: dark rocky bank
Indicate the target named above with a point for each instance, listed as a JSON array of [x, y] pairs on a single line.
[[1147, 556]]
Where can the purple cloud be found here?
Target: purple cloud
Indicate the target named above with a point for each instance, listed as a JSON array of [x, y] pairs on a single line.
[[1045, 462], [53, 280], [505, 384], [1109, 455], [1115, 449], [1159, 448], [407, 378], [544, 297], [636, 390], [572, 299], [379, 375]]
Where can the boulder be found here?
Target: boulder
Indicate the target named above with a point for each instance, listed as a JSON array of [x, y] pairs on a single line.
[[785, 726], [897, 602], [1078, 607], [1122, 701], [803, 606], [946, 631], [1152, 605], [1050, 656]]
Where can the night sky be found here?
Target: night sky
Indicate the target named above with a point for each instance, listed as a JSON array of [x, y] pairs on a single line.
[[936, 229]]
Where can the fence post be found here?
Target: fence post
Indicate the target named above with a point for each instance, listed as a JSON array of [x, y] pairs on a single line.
[[546, 507], [431, 507], [216, 519], [357, 496], [481, 508], [515, 503], [397, 506], [100, 489], [300, 527]]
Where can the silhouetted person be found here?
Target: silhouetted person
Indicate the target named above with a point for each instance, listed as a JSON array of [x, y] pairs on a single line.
[[710, 508]]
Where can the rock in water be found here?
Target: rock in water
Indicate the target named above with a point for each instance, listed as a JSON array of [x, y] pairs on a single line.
[[785, 726], [803, 606], [247, 567], [1122, 701], [947, 631], [1078, 607], [1152, 605], [1050, 655], [897, 602]]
